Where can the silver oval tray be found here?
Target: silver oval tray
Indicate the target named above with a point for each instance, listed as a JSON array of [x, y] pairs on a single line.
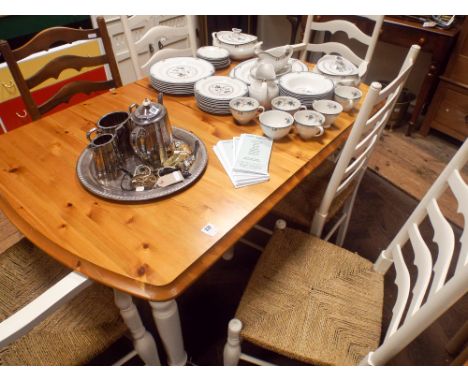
[[112, 189]]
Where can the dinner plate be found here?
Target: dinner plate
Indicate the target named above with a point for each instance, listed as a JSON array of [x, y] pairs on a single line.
[[336, 66], [306, 84], [220, 88], [242, 70], [212, 53], [181, 70]]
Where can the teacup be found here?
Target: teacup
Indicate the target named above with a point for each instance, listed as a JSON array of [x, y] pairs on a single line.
[[347, 96], [287, 104], [276, 124], [330, 110], [309, 123], [244, 109]]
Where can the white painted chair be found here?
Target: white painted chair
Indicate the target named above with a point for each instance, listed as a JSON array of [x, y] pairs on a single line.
[[311, 300], [351, 30], [340, 184], [69, 321], [157, 38]]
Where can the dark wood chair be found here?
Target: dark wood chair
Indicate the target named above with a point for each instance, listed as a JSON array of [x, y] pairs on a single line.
[[44, 41]]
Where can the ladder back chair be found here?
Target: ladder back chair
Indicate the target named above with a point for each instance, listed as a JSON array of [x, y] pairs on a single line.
[[334, 188], [311, 300], [157, 38], [43, 41], [51, 316], [351, 30]]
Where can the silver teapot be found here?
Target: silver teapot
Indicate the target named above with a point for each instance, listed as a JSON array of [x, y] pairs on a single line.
[[151, 137]]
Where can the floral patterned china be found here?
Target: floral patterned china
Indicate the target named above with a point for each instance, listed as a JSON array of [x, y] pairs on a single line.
[[347, 96], [240, 45], [244, 109], [330, 110], [287, 104], [245, 71], [177, 75], [276, 124], [213, 94], [336, 66], [309, 123], [306, 87]]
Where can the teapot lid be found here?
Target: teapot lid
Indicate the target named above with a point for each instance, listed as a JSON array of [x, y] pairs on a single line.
[[148, 112]]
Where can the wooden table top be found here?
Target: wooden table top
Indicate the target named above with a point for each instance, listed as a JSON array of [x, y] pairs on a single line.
[[151, 250]]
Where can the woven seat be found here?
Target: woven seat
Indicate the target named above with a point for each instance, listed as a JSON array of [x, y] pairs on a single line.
[[74, 334], [313, 301], [300, 204]]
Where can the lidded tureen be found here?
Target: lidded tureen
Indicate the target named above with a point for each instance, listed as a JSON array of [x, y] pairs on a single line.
[[240, 45]]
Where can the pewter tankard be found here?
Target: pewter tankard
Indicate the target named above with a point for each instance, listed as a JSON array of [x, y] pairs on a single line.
[[151, 137], [116, 123], [106, 157]]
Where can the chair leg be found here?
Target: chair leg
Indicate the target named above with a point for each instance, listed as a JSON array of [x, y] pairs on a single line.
[[166, 317], [143, 341], [348, 210], [232, 349]]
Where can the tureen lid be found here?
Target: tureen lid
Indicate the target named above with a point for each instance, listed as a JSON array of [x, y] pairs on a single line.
[[148, 112], [236, 37]]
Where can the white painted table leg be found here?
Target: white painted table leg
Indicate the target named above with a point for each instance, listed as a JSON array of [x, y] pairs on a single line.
[[166, 317], [143, 341]]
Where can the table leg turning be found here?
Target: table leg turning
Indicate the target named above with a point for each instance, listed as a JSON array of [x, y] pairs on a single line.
[[143, 341], [166, 317]]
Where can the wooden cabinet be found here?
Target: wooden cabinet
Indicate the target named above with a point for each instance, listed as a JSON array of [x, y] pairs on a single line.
[[448, 111]]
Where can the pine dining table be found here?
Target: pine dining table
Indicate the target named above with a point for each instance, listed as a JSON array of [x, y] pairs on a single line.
[[153, 250]]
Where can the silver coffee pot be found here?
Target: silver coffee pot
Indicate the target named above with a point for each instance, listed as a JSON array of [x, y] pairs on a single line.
[[151, 137]]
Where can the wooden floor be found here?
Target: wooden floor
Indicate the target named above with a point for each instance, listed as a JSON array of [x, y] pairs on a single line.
[[414, 163]]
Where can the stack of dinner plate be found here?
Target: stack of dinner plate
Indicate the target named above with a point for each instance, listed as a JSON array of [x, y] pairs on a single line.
[[214, 93], [306, 87], [177, 75], [219, 57]]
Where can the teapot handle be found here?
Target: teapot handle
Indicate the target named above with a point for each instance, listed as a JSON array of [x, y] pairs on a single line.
[[132, 107], [160, 97], [139, 149]]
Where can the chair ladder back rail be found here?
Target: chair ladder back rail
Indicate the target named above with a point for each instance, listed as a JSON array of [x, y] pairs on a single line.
[[45, 39], [161, 34], [106, 42], [404, 72], [126, 21], [72, 88], [402, 281], [450, 176], [25, 319], [15, 71], [434, 307], [163, 54], [346, 156], [358, 164], [445, 240], [423, 262], [351, 29], [53, 68], [460, 190], [336, 47]]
